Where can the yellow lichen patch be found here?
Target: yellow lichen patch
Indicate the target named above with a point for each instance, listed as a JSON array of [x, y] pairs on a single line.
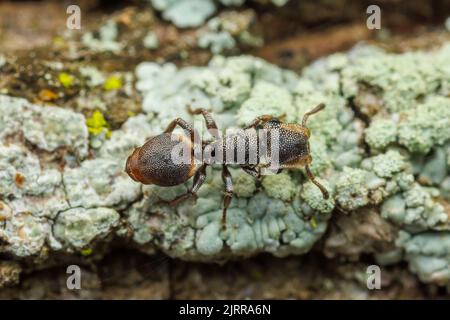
[[86, 252], [97, 124], [66, 79], [313, 223], [58, 41], [113, 83]]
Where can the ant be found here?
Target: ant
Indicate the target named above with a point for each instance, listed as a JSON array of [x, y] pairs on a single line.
[[152, 163]]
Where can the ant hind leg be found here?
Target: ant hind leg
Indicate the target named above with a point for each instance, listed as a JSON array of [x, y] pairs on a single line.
[[252, 171], [199, 179], [227, 179], [210, 122]]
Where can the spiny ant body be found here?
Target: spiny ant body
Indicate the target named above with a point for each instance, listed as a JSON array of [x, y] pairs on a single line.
[[153, 164]]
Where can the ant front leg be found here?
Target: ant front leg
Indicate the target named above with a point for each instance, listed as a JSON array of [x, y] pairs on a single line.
[[209, 120], [178, 122], [199, 179], [311, 177], [182, 124], [227, 179]]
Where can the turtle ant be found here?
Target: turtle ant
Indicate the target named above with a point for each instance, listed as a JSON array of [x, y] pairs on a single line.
[[152, 163]]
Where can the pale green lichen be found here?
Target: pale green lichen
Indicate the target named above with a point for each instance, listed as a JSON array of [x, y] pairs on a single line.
[[244, 185], [378, 178], [413, 88], [415, 210], [151, 41], [193, 13], [428, 255], [353, 192], [434, 169], [99, 183], [388, 164], [185, 13], [280, 186], [272, 99], [47, 128], [94, 76], [425, 126], [34, 191], [381, 133], [105, 39], [28, 185], [78, 227], [313, 197], [218, 42], [402, 79], [224, 32], [24, 234]]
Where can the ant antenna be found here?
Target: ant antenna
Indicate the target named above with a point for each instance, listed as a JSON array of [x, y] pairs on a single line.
[[315, 110]]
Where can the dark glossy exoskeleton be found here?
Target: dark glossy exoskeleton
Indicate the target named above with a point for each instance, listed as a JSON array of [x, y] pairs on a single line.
[[152, 163]]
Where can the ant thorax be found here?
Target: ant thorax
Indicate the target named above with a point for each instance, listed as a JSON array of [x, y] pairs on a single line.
[[235, 147]]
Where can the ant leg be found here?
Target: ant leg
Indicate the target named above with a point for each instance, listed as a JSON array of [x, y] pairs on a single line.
[[313, 180], [179, 122], [252, 171], [227, 179], [259, 120], [214, 145], [318, 108], [210, 122], [282, 118], [199, 179], [266, 166], [184, 125]]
